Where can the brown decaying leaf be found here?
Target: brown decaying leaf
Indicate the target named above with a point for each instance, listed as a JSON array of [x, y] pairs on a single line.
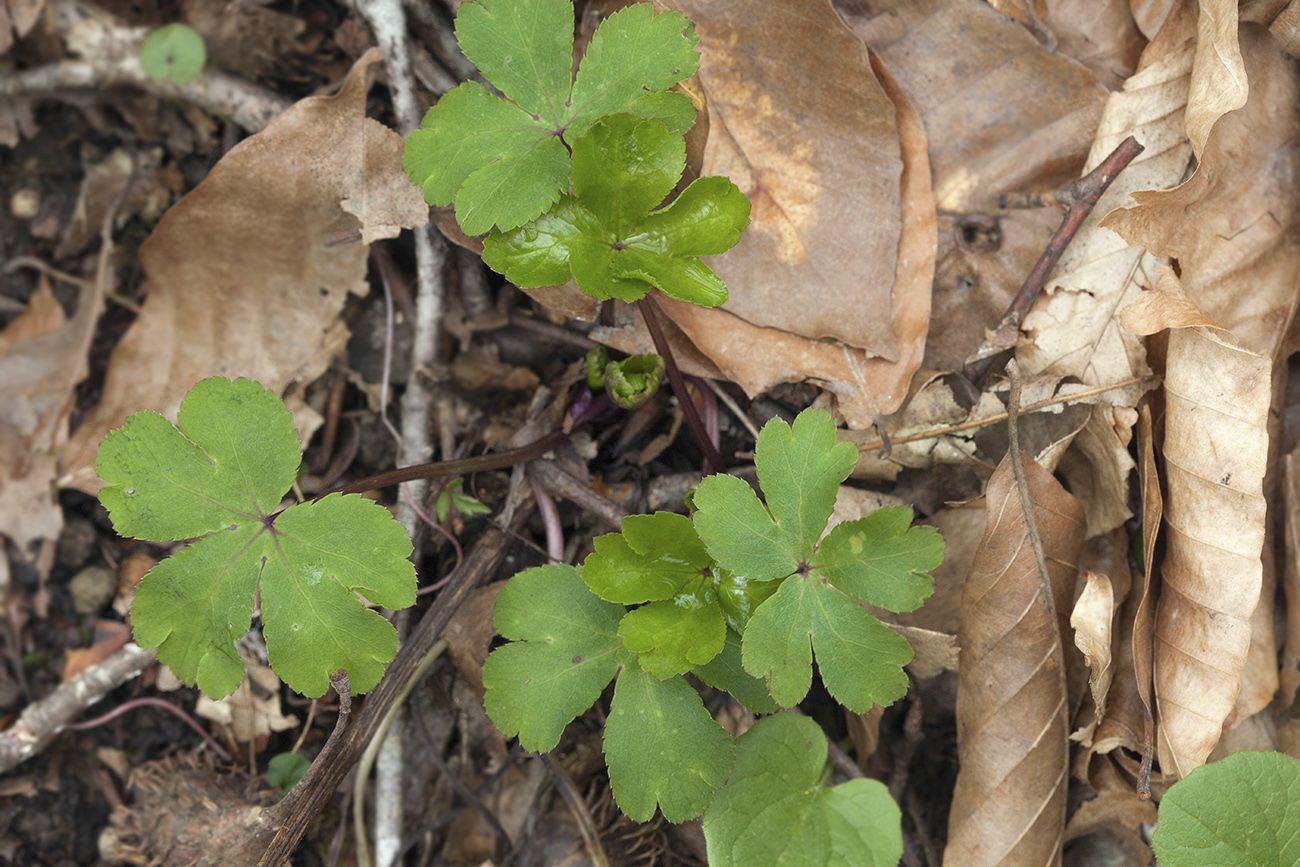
[[253, 710], [42, 358], [965, 67], [1091, 620], [778, 161], [1216, 448], [242, 278], [1012, 716], [807, 132]]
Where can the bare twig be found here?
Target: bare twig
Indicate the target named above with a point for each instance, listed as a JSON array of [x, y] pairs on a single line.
[[1084, 193], [578, 807], [971, 424], [146, 701], [43, 720]]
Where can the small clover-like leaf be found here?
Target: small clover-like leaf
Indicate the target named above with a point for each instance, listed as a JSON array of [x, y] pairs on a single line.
[[505, 162], [605, 235], [1243, 811], [881, 559], [675, 635], [861, 660], [174, 52], [662, 747], [726, 672], [565, 650], [800, 468], [774, 810], [654, 558], [219, 474]]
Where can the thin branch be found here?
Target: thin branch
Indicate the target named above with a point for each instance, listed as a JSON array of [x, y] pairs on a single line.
[[1085, 192], [146, 701], [969, 424], [712, 460]]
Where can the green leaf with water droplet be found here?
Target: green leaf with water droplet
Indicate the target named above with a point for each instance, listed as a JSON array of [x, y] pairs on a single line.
[[218, 476]]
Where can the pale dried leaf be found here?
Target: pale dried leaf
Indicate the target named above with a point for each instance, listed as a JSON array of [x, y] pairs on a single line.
[[1216, 451], [243, 278], [1091, 620], [251, 711], [1218, 74], [1012, 718]]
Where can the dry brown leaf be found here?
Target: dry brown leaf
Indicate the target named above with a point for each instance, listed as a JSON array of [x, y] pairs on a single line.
[[1219, 74], [1286, 28], [17, 17], [42, 358], [1091, 620], [1290, 664], [1012, 718], [803, 221], [1216, 449], [251, 711], [243, 279], [150, 194]]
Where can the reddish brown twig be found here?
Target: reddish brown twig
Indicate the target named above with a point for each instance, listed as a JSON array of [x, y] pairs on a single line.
[[712, 460], [1084, 193]]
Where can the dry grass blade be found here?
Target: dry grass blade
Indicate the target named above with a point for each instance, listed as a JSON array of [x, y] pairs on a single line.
[[1012, 719]]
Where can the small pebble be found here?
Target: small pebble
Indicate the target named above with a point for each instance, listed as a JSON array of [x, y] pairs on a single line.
[[92, 588], [25, 204]]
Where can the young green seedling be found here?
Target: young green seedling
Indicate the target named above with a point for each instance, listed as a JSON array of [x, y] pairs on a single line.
[[173, 52], [218, 476], [505, 161], [712, 596]]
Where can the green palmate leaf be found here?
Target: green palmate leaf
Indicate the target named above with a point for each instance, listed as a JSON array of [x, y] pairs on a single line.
[[1243, 811], [677, 634], [775, 811], [607, 238], [861, 660], [725, 672], [219, 474], [653, 559], [800, 469], [505, 162], [565, 651], [881, 559], [662, 747]]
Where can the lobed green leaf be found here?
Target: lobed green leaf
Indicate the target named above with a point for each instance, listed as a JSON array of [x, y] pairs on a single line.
[[860, 658], [565, 651], [775, 811], [739, 532], [219, 474], [881, 559], [1243, 811], [662, 747], [726, 672], [504, 163], [653, 559], [675, 635]]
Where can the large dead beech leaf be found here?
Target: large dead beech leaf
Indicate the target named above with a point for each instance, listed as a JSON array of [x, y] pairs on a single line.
[[808, 133], [1217, 398], [1012, 716], [243, 278], [1004, 113]]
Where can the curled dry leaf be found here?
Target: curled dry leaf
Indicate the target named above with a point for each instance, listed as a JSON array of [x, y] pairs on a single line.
[[244, 277], [1091, 620], [1231, 227], [1012, 715], [1216, 448]]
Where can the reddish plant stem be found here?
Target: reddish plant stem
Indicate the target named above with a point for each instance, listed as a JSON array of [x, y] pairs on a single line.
[[151, 702], [1085, 192], [712, 460], [461, 467]]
